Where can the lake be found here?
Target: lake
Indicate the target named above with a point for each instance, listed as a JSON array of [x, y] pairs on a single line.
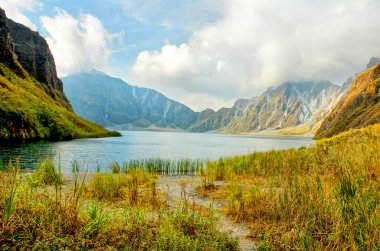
[[136, 145]]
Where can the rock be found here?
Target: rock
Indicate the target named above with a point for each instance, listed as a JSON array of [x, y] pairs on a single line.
[[7, 55], [34, 55]]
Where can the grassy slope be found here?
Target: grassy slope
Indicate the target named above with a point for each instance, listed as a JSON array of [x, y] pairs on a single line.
[[323, 197], [358, 108], [28, 113]]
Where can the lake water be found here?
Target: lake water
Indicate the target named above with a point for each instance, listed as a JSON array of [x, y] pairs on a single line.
[[138, 145]]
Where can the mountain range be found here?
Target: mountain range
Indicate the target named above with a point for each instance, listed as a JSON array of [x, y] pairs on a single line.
[[292, 108], [111, 102]]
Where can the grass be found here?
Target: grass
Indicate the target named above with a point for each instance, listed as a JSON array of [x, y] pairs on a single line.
[[115, 211], [27, 112], [326, 197], [47, 174]]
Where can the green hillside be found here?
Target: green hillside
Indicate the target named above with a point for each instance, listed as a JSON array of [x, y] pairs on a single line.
[[27, 112]]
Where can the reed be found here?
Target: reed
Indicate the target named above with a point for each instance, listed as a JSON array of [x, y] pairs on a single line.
[[166, 167], [115, 167]]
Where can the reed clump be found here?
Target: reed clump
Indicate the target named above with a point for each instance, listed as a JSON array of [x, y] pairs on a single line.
[[166, 167], [47, 174]]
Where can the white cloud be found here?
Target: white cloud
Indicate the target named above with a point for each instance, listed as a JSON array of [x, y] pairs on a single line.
[[258, 44], [14, 10], [197, 101], [79, 44]]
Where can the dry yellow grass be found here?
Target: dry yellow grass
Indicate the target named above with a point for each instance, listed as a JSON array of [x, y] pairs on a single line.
[[91, 216], [326, 197]]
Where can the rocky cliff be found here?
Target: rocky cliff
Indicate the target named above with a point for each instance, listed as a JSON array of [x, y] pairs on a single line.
[[7, 55]]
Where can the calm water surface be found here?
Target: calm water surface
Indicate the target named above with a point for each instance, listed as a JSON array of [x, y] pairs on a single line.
[[146, 144]]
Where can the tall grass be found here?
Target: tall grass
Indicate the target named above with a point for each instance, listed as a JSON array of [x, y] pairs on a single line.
[[83, 216], [10, 194], [326, 197]]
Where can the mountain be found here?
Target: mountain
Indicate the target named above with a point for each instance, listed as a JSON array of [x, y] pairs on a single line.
[[32, 104], [373, 61], [359, 107], [209, 120], [291, 105], [110, 101]]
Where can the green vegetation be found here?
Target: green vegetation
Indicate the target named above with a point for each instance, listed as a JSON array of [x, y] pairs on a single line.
[[112, 211], [27, 112], [319, 198]]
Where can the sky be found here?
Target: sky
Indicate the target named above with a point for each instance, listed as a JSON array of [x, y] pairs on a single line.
[[207, 53]]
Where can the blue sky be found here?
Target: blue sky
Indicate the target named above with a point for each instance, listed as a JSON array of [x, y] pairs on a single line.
[[146, 27], [207, 53]]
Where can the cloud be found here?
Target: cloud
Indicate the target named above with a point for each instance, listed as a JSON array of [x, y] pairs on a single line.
[[79, 44], [14, 10], [258, 44]]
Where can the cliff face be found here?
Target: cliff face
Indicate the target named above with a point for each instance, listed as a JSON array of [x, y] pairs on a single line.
[[7, 55], [359, 107], [34, 55]]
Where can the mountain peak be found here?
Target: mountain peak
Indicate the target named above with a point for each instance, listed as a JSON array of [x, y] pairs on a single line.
[[372, 62]]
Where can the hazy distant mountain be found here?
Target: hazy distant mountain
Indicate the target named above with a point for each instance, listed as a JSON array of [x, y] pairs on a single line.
[[292, 104], [359, 107], [372, 62], [110, 101], [209, 120]]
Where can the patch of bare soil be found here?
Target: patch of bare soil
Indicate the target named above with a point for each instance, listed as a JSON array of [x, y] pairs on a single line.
[[180, 187]]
